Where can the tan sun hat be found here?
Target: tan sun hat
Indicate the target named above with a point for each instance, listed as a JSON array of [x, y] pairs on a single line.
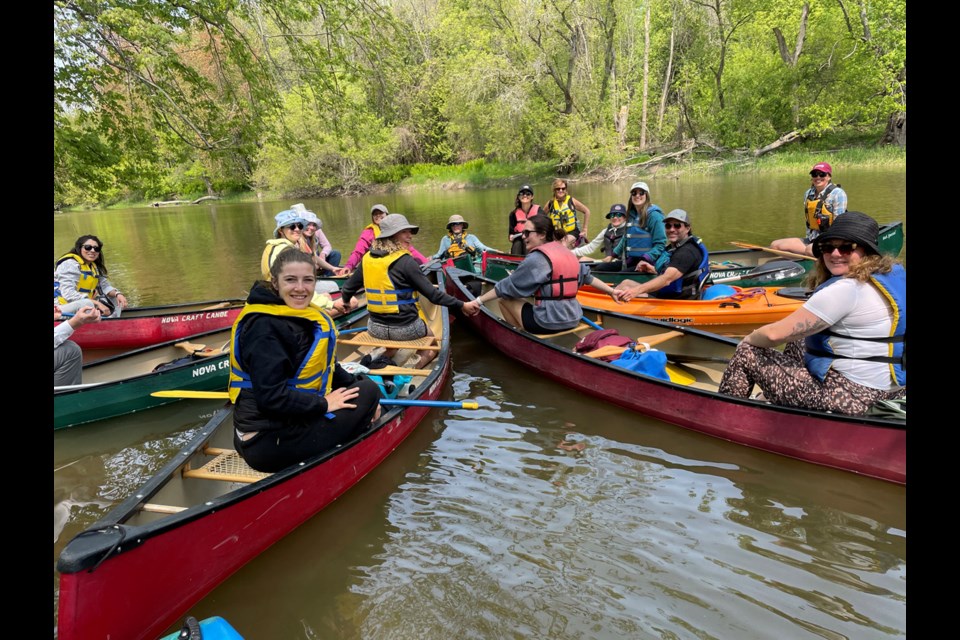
[[457, 219]]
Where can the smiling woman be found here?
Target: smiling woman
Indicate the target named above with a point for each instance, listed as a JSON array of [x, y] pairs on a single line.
[[846, 346], [80, 280], [293, 400]]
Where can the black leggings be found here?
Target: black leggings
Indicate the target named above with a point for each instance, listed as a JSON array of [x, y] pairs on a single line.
[[307, 436]]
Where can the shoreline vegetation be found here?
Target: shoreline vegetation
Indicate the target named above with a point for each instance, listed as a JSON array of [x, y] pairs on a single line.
[[481, 174]]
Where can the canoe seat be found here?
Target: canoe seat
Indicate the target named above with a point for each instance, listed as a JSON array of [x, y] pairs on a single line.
[[364, 339], [579, 327], [228, 465]]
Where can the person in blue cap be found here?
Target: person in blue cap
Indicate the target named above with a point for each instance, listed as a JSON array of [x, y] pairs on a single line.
[[607, 240]]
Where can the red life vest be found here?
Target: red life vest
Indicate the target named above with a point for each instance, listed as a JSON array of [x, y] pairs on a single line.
[[522, 217], [564, 273]]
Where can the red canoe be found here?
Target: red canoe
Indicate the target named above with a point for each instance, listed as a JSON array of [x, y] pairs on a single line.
[[205, 514], [872, 446], [145, 326]]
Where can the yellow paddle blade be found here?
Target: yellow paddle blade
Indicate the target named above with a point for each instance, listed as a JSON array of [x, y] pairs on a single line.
[[679, 376], [178, 393]]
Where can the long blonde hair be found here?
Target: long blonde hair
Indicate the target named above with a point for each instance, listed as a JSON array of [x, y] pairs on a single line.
[[861, 271], [386, 246]]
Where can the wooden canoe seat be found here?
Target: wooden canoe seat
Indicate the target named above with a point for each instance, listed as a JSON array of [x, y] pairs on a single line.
[[579, 327], [228, 465], [364, 339]]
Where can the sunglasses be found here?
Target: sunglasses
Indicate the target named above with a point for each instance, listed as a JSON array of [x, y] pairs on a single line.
[[672, 225], [845, 249], [526, 194], [91, 247], [526, 232], [817, 174], [638, 192], [560, 189], [295, 225], [618, 215]]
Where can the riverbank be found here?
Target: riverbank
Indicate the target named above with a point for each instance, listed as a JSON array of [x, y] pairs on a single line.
[[480, 174]]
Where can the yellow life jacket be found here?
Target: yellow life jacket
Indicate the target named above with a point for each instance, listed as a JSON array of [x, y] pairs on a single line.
[[275, 246], [314, 374], [89, 278], [376, 230], [270, 253], [458, 245], [563, 214], [819, 216], [382, 295]]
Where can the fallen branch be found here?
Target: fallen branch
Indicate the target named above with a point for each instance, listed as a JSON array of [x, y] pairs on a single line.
[[785, 139]]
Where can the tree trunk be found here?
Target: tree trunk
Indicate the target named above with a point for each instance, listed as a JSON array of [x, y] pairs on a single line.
[[786, 138], [896, 132], [646, 79], [666, 81]]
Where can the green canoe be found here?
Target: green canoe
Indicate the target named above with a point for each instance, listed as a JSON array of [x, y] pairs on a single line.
[[123, 383]]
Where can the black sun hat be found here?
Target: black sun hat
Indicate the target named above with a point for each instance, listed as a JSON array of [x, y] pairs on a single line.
[[853, 226]]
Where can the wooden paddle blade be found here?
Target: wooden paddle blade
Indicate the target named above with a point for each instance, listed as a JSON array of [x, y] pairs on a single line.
[[657, 339], [609, 350], [192, 347], [788, 254]]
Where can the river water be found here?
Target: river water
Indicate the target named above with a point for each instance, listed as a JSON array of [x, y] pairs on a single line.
[[544, 514]]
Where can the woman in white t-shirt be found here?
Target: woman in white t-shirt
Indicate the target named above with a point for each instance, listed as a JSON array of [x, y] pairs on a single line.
[[846, 346]]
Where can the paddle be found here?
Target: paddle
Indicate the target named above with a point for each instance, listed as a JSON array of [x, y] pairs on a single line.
[[786, 254], [649, 341], [782, 267], [223, 395]]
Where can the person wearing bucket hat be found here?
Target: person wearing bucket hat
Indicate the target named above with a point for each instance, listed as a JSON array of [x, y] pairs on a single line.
[[684, 273], [846, 346], [393, 283], [457, 242], [645, 240], [523, 208], [288, 234], [372, 231], [607, 239], [315, 242], [563, 209], [823, 203]]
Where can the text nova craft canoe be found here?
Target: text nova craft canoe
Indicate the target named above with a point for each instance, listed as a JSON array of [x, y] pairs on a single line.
[[872, 445], [144, 326], [205, 514]]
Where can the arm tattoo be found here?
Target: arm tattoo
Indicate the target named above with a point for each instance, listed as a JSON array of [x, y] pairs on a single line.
[[805, 328]]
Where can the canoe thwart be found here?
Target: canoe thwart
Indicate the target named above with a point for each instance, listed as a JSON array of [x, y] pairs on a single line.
[[400, 371], [364, 339], [228, 466]]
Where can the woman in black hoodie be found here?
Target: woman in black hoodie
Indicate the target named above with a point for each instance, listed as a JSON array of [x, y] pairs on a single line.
[[292, 399]]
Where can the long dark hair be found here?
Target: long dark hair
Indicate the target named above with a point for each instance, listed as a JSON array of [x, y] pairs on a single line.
[[290, 255], [82, 240], [544, 224]]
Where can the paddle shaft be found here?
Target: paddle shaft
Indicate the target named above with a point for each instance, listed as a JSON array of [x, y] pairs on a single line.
[[386, 402], [787, 254]]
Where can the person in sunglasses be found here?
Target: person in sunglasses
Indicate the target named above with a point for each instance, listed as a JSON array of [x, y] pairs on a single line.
[[683, 274], [523, 208], [288, 235], [607, 240], [314, 242], [822, 204], [80, 280], [846, 346], [563, 208], [551, 274], [646, 238]]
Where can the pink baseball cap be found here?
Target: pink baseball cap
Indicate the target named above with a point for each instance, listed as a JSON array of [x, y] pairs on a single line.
[[822, 166]]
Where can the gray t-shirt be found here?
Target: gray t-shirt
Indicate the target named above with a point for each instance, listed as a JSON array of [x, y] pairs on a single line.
[[529, 277]]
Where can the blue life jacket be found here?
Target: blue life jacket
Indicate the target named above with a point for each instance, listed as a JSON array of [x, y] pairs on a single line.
[[639, 239], [819, 355]]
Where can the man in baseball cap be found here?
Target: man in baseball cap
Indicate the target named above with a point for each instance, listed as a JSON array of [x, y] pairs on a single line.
[[822, 203], [683, 276]]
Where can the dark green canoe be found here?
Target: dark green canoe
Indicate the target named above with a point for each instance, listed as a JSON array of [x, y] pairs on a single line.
[[123, 383]]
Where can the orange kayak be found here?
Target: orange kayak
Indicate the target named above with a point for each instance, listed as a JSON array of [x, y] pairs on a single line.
[[748, 306]]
